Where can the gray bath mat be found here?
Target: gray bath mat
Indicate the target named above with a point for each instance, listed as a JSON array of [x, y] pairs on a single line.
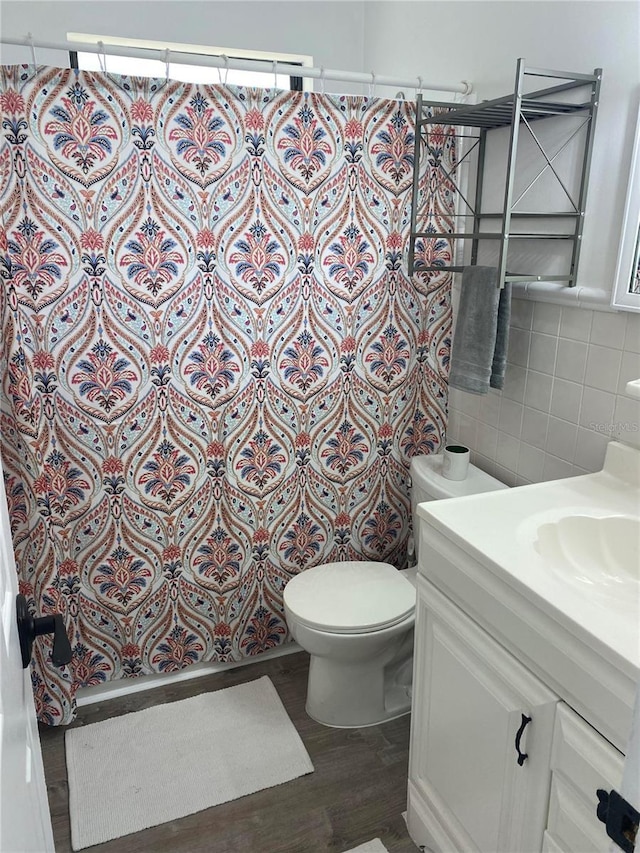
[[156, 765]]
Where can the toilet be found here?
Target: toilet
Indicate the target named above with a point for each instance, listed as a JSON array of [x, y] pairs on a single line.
[[356, 618]]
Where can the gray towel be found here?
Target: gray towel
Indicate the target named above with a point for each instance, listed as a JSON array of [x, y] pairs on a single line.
[[479, 355]]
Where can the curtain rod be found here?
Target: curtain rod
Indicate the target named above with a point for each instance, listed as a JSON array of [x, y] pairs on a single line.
[[268, 66]]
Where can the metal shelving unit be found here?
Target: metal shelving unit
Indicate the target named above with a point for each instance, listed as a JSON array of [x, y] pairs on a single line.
[[517, 110]]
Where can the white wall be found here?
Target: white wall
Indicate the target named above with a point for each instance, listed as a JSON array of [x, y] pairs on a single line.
[[480, 42], [563, 398], [567, 366], [333, 37]]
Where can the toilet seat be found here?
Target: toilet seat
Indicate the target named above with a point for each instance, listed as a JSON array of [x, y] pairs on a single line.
[[331, 598]]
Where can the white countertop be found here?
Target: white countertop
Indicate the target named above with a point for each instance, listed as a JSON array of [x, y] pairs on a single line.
[[498, 529], [480, 552]]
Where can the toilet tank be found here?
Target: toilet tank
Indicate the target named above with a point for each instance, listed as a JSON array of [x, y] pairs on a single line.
[[428, 484]]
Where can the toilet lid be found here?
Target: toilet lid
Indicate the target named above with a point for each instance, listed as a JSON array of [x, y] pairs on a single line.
[[350, 597]]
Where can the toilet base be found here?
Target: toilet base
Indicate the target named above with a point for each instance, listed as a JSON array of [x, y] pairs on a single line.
[[348, 695], [362, 725]]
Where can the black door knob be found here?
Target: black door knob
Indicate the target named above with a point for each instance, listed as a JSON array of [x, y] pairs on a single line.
[[29, 628]]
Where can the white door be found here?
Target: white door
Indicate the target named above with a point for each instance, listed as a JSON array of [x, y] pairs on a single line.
[[25, 822], [480, 740]]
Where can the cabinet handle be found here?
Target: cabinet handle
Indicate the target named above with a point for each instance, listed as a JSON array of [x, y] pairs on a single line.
[[521, 755]]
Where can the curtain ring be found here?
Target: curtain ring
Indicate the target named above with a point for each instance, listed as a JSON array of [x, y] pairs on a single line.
[[33, 51], [226, 67], [419, 86], [322, 80], [461, 97], [167, 55], [102, 57], [275, 73], [372, 84]]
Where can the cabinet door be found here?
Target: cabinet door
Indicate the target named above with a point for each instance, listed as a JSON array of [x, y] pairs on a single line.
[[467, 791], [582, 761]]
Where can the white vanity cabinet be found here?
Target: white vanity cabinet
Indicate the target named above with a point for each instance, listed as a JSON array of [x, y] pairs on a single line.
[[470, 786], [470, 789], [516, 615]]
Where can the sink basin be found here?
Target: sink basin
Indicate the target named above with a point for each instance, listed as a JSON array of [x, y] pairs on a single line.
[[595, 552]]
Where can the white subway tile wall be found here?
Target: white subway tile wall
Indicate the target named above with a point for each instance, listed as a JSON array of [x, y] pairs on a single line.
[[563, 397]]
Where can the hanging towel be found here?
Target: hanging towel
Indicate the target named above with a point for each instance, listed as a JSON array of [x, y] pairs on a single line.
[[499, 363], [479, 355]]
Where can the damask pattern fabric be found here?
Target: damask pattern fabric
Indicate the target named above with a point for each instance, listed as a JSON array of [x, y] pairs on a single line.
[[215, 369]]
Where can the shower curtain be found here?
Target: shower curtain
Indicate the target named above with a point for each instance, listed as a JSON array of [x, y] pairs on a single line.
[[215, 368]]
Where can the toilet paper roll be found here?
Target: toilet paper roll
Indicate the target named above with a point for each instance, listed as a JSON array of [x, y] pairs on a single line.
[[455, 462]]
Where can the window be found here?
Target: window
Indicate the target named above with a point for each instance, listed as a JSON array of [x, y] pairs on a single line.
[[187, 73]]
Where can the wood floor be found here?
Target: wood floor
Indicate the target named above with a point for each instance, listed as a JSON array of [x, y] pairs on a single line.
[[357, 791]]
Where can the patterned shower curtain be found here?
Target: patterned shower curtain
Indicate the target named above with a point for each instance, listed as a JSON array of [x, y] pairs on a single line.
[[215, 368]]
